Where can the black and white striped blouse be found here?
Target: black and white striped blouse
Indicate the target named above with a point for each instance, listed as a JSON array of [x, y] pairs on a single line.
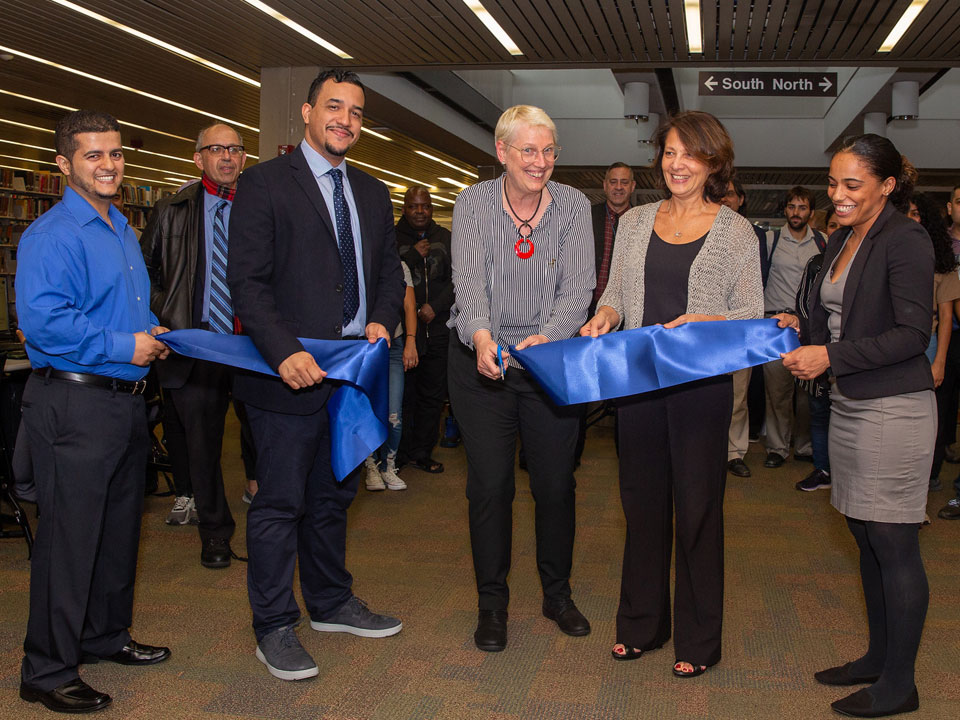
[[547, 294]]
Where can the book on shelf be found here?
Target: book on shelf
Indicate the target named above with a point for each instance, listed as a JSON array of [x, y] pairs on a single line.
[[8, 259], [24, 208]]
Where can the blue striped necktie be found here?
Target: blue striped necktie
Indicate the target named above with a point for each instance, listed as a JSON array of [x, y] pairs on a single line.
[[221, 311], [348, 255]]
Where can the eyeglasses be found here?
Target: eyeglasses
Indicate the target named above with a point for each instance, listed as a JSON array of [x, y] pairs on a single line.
[[529, 154], [218, 149]]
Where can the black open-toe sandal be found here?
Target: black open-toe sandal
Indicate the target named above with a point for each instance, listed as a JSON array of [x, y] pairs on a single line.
[[697, 669], [628, 653], [428, 465]]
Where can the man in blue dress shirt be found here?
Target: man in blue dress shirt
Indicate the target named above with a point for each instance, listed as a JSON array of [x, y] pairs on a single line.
[[83, 302]]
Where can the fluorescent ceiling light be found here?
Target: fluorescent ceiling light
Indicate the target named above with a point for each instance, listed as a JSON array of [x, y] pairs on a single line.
[[448, 164], [393, 200], [44, 162], [376, 134], [29, 160], [150, 180], [691, 13], [493, 26], [150, 152], [179, 180], [159, 43], [120, 86], [903, 24], [389, 172], [20, 124], [128, 164], [441, 199], [276, 15], [455, 182]]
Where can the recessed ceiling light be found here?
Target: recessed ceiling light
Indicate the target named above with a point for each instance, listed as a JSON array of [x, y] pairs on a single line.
[[493, 26], [470, 173], [313, 37], [20, 124], [903, 24], [691, 13], [159, 43], [121, 86], [376, 134], [455, 182], [389, 172]]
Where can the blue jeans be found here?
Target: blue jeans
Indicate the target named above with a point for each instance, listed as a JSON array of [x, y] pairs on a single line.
[[819, 431], [394, 403]]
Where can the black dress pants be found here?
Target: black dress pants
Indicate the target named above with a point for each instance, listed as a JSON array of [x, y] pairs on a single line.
[[298, 513], [673, 457], [89, 450], [490, 412], [424, 392], [201, 405]]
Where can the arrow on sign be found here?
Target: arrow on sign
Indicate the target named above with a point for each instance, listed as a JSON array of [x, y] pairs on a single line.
[[825, 84], [710, 83]]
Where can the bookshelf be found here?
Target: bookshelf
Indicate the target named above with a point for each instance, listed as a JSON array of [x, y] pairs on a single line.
[[27, 194]]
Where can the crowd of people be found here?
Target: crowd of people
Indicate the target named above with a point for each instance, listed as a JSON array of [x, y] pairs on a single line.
[[305, 246]]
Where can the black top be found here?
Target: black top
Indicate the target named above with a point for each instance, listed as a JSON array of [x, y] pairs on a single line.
[[666, 274]]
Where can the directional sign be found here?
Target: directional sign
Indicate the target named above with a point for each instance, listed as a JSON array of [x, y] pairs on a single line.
[[769, 84]]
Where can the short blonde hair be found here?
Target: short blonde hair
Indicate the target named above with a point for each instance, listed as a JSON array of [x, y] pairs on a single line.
[[518, 115]]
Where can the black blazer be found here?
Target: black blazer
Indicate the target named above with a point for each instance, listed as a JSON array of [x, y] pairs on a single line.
[[886, 318], [285, 274]]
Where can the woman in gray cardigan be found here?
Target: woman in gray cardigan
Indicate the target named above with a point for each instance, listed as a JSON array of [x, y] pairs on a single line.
[[684, 259]]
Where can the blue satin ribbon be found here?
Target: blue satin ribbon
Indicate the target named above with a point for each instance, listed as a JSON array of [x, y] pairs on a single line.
[[585, 369], [358, 407]]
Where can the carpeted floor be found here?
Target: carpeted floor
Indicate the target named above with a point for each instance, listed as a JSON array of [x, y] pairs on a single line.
[[793, 605]]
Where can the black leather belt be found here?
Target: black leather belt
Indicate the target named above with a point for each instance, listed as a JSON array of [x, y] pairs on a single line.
[[136, 387]]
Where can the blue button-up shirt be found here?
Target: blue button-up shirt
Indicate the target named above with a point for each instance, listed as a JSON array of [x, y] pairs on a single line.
[[320, 166], [210, 203], [82, 290]]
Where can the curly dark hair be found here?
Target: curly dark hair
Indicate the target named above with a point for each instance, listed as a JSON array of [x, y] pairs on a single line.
[[933, 222]]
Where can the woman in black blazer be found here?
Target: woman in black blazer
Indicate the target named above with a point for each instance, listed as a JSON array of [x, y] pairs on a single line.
[[869, 324]]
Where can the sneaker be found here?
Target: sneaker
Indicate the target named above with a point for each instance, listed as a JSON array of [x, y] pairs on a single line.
[[374, 481], [950, 511], [180, 513], [814, 481], [390, 477], [192, 517], [355, 618], [285, 657], [451, 433]]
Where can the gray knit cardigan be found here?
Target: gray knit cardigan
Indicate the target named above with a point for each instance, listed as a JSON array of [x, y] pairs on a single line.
[[724, 277]]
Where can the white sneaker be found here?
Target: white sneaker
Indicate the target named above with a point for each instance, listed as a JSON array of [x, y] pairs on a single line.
[[374, 483], [389, 476], [180, 513], [192, 517]]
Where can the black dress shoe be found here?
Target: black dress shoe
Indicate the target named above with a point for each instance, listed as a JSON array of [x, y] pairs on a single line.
[[491, 633], [134, 653], [774, 460], [565, 614], [74, 696], [841, 675], [803, 457], [738, 467], [862, 704], [215, 553]]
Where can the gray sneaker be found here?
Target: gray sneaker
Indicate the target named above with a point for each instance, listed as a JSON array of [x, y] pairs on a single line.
[[285, 657], [355, 618], [180, 513]]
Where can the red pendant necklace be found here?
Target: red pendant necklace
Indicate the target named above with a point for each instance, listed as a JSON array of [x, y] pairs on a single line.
[[524, 245]]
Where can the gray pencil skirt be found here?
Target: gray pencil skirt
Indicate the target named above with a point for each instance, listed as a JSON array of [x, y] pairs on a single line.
[[881, 451]]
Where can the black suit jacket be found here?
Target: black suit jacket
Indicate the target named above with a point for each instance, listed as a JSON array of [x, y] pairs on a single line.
[[285, 274], [887, 310]]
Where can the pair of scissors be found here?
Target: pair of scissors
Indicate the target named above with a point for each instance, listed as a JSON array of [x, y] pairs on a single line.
[[500, 364]]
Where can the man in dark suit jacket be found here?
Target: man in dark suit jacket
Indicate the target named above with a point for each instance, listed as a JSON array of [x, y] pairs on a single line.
[[179, 247], [618, 187], [312, 254]]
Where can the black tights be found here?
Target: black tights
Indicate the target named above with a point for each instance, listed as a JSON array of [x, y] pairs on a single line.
[[896, 593]]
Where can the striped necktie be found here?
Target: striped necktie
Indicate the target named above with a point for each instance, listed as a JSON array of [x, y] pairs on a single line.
[[221, 311], [348, 255]]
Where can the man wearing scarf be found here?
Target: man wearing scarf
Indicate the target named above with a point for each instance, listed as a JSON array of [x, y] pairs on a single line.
[[185, 249]]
